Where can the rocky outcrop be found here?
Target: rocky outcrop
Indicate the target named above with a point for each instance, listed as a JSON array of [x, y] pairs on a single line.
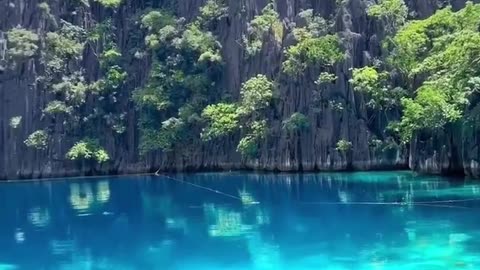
[[312, 149]]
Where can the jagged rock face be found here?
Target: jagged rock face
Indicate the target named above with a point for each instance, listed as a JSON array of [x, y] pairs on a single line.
[[312, 149]]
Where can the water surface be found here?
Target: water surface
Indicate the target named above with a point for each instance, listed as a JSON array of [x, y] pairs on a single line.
[[337, 221]]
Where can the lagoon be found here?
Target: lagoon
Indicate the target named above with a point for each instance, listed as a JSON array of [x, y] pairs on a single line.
[[239, 220]]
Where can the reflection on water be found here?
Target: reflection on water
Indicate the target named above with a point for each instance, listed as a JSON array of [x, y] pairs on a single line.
[[39, 217], [83, 198], [267, 221]]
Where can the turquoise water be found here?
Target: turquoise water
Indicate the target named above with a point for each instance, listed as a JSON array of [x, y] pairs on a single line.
[[332, 221]]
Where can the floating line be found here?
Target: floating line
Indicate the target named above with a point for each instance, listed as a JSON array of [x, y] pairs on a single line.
[[452, 201], [199, 186], [422, 203], [431, 204]]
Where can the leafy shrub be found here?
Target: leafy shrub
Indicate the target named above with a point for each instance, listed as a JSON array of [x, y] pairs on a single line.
[[223, 119], [110, 3], [256, 94], [110, 57], [15, 121], [156, 20], [116, 121], [115, 77], [336, 105], [154, 95], [37, 140], [102, 31], [376, 85], [56, 106], [323, 50], [267, 21], [258, 129], [44, 7], [88, 149], [326, 77], [61, 47], [213, 10], [201, 42], [296, 121], [163, 139], [22, 43], [344, 146], [316, 26], [248, 145], [392, 12], [431, 109], [66, 43], [73, 87], [375, 143]]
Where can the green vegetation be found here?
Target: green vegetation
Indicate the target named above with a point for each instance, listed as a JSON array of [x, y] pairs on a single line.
[[316, 26], [222, 119], [265, 23], [171, 131], [212, 11], [155, 20], [314, 47], [336, 105], [15, 121], [427, 77], [248, 145], [443, 50], [436, 58], [182, 82], [66, 44], [377, 86], [326, 77], [324, 51], [392, 13], [431, 109], [44, 7], [47, 15], [296, 121], [37, 140], [59, 51], [256, 93], [56, 107], [110, 3], [344, 146], [88, 149], [22, 44]]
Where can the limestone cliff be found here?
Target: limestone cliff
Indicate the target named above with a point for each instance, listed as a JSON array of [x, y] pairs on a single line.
[[312, 149]]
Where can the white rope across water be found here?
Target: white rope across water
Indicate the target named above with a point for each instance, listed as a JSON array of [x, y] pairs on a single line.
[[431, 204], [438, 203], [199, 186]]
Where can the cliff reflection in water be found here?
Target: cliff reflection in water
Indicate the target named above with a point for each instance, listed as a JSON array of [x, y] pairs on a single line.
[[279, 220]]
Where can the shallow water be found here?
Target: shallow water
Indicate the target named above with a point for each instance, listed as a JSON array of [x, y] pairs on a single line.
[[337, 221]]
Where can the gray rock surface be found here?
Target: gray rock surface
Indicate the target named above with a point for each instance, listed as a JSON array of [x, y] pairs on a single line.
[[312, 149]]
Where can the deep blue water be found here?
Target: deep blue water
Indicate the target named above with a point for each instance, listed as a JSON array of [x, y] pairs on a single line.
[[334, 221]]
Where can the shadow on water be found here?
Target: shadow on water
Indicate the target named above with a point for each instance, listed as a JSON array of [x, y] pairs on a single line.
[[242, 221]]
